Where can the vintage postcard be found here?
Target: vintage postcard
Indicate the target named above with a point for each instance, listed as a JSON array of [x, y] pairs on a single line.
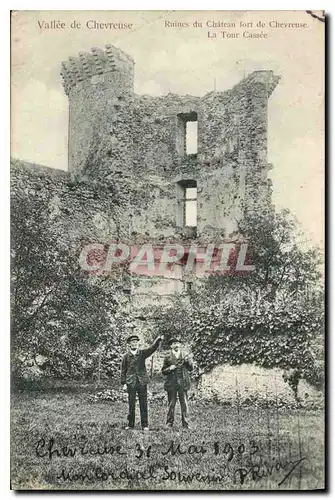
[[167, 250]]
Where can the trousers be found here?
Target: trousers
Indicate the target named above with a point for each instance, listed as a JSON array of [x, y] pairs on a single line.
[[173, 394], [141, 390]]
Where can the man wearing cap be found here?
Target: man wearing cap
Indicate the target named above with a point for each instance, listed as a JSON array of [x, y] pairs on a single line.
[[134, 378], [176, 368]]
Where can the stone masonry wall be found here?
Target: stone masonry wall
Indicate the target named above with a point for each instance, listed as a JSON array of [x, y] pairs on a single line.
[[87, 211], [118, 137], [100, 90], [127, 159]]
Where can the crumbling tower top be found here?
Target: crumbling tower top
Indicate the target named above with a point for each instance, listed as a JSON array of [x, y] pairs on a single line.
[[98, 66]]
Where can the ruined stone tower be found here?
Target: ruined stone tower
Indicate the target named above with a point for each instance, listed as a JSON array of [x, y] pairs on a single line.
[[114, 133], [139, 143], [100, 88]]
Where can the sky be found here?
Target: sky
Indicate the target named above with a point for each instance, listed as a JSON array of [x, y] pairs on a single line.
[[186, 61]]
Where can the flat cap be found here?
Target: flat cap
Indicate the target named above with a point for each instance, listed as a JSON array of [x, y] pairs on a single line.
[[132, 337], [173, 339]]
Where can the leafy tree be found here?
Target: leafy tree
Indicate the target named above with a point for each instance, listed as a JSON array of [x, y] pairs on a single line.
[[272, 317], [58, 314]]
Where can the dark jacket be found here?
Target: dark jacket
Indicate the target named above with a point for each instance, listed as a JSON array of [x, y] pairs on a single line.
[[133, 366], [180, 376]]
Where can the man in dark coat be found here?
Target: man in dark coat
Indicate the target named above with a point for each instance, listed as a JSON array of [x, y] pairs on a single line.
[[176, 368], [134, 378]]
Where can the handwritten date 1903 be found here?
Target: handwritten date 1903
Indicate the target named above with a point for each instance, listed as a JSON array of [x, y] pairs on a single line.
[[225, 449], [230, 451]]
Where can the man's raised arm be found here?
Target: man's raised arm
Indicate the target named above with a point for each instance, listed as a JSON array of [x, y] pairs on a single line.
[[152, 348]]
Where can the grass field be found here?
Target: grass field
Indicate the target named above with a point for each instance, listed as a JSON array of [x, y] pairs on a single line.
[[63, 441]]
